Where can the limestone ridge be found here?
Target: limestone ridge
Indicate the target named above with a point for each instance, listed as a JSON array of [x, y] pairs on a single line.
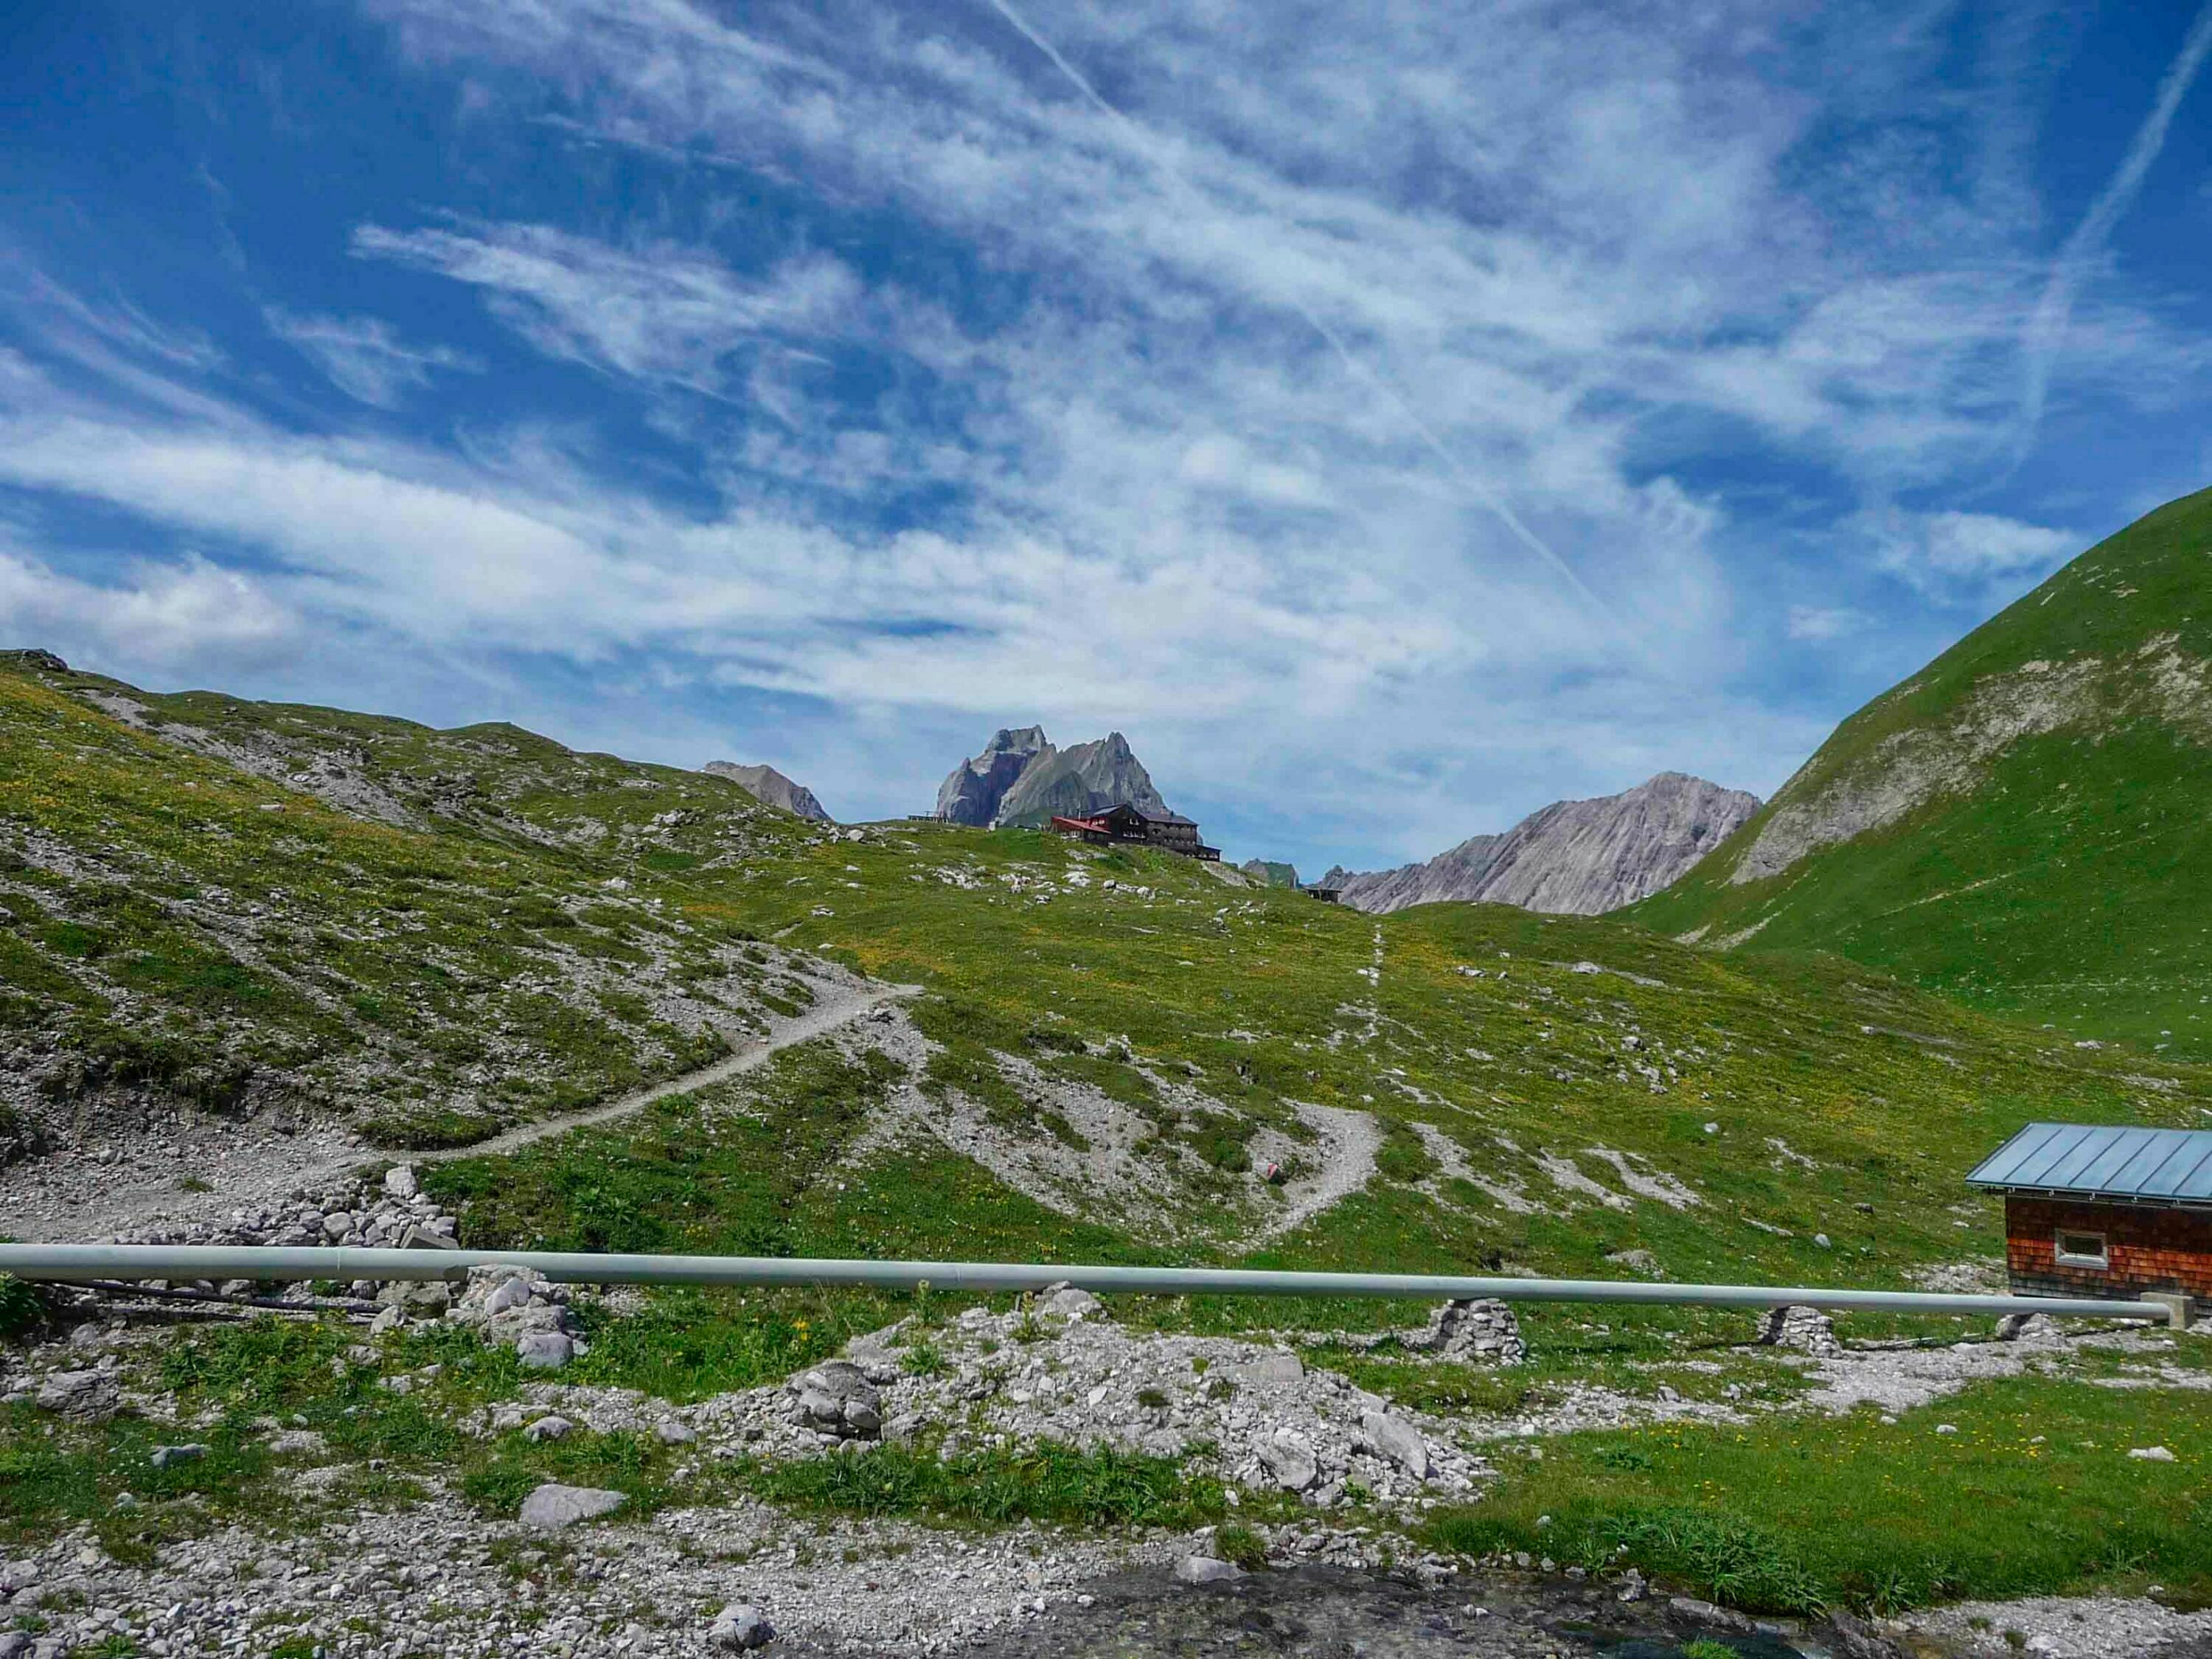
[[971, 795], [770, 787], [1021, 779], [1574, 857]]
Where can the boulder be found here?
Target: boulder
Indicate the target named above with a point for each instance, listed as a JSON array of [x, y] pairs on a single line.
[[87, 1396], [1277, 1367], [740, 1626], [2026, 1327], [1395, 1441], [1288, 1457], [548, 1428], [552, 1506], [1206, 1569], [673, 1433], [545, 1351], [168, 1456], [836, 1398], [399, 1181], [1067, 1302]]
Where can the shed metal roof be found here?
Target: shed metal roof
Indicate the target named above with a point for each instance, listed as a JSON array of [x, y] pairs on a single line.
[[2086, 1160]]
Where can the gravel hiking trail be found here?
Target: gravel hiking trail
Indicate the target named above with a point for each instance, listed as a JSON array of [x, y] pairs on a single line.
[[839, 1007], [72, 1197]]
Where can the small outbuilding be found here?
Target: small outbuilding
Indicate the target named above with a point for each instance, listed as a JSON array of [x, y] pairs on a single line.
[[2103, 1210]]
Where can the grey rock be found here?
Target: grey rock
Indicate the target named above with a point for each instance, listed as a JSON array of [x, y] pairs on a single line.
[[1806, 1328], [1708, 1613], [2025, 1327], [2151, 1454], [836, 1398], [88, 1396], [1069, 1302], [771, 788], [1288, 1457], [1484, 1330], [1206, 1569], [14, 1645], [740, 1626], [673, 1433], [166, 1456], [17, 1575], [548, 1428], [553, 1506], [419, 1237], [293, 1443], [400, 1181], [545, 1351], [387, 1319], [1575, 857], [1396, 1441], [1282, 1367]]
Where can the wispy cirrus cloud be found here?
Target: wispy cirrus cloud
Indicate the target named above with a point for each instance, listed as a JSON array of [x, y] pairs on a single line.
[[1229, 374], [364, 356], [659, 312]]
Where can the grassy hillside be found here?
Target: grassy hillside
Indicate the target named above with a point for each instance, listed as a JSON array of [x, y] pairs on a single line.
[[431, 934], [2026, 824]]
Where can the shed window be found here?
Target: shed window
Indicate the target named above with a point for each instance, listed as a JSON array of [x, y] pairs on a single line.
[[2081, 1249]]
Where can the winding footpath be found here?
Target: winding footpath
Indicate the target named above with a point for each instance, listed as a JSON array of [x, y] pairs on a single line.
[[818, 1021]]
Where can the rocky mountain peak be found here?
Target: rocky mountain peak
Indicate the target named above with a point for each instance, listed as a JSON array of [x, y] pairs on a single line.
[[1574, 857], [770, 787], [1020, 778]]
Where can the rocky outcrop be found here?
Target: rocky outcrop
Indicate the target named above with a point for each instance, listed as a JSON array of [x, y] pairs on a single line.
[[771, 788], [971, 795], [1574, 857], [1270, 874], [1021, 779]]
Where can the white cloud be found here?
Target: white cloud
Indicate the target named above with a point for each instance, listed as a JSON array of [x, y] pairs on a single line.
[[364, 356], [1814, 621], [1969, 558], [658, 312], [160, 615]]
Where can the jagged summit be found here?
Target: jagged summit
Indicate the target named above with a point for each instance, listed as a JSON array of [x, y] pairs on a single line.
[[771, 788], [1020, 778], [971, 795], [1573, 857]]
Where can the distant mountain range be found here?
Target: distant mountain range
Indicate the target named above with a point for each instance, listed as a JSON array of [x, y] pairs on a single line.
[[1021, 780], [1574, 857], [770, 787]]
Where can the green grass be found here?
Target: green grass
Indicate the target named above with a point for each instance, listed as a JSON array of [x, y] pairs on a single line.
[[431, 947], [2067, 882], [2033, 1495], [1046, 1483]]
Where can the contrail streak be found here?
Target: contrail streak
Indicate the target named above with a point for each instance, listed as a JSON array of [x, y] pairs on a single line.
[[2047, 327], [1358, 370]]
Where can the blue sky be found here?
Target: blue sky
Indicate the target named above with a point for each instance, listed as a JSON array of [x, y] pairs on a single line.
[[1392, 415]]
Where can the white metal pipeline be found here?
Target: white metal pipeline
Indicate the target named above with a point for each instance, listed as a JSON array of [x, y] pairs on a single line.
[[78, 1263]]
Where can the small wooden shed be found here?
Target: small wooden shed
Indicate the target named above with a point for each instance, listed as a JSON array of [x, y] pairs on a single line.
[[2098, 1210]]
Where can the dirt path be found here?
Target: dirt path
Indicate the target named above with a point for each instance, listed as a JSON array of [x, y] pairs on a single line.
[[1349, 1141], [200, 1171], [816, 1022]]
